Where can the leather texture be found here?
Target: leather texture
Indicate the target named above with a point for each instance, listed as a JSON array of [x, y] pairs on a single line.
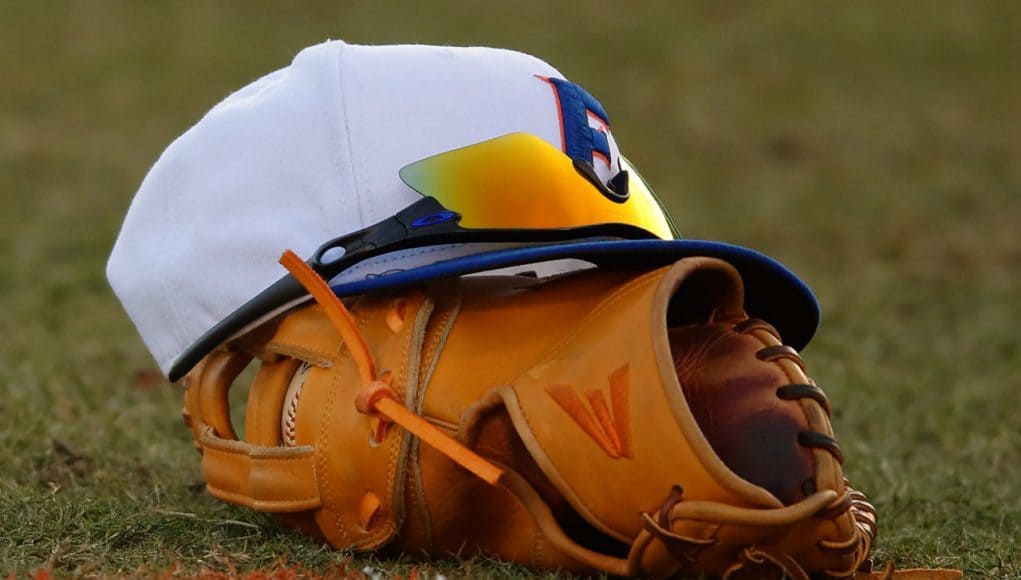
[[644, 425]]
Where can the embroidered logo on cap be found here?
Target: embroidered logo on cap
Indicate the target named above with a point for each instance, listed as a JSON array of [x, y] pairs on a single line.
[[584, 124]]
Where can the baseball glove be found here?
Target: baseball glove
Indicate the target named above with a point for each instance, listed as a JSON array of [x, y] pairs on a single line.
[[630, 422]]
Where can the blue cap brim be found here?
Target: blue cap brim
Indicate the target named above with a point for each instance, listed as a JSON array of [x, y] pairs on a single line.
[[772, 292]]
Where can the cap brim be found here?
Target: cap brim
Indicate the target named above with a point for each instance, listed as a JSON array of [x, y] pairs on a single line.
[[772, 292]]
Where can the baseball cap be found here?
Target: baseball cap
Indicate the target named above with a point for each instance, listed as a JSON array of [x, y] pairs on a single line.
[[380, 163]]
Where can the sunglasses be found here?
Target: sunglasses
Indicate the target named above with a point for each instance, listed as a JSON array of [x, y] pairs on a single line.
[[515, 189]]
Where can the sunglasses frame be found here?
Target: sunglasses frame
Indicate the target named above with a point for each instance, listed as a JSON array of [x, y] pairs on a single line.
[[424, 223]]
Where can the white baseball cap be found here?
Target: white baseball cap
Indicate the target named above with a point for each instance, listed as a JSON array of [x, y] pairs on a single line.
[[315, 151]]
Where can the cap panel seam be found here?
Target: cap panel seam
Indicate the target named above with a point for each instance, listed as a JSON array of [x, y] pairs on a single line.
[[180, 334], [354, 161]]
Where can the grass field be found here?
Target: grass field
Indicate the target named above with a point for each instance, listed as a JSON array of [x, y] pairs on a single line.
[[874, 149]]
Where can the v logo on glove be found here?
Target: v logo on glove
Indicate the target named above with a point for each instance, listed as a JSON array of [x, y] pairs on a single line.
[[612, 433]]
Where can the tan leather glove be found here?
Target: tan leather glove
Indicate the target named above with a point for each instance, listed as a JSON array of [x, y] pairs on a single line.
[[632, 422]]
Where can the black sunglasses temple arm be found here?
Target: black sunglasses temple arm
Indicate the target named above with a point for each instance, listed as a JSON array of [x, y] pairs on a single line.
[[384, 236], [424, 223]]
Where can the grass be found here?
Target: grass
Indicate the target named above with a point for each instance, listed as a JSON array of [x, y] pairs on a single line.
[[871, 148]]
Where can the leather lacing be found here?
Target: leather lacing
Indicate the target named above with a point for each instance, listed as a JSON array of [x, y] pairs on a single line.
[[375, 398], [853, 501], [804, 391], [684, 550], [796, 391]]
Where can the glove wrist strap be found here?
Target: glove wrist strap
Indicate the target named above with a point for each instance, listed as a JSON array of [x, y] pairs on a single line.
[[269, 479]]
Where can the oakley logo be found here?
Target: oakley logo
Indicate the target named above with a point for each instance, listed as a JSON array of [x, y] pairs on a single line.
[[609, 427], [584, 124], [433, 219]]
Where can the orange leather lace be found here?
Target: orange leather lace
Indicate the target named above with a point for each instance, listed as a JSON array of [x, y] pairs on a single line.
[[375, 397]]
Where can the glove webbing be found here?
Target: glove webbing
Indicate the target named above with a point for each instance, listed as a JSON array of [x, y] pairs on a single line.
[[376, 398]]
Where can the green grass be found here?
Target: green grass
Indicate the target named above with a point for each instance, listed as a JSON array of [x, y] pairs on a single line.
[[874, 149]]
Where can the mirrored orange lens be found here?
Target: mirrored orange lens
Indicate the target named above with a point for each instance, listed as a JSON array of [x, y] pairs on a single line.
[[521, 181]]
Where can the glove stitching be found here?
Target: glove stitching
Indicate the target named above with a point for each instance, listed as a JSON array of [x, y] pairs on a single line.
[[625, 290], [418, 497], [322, 457], [537, 547], [386, 530], [364, 322], [399, 386], [290, 423], [239, 498], [319, 358], [399, 459], [430, 353], [258, 458], [632, 286], [446, 325]]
